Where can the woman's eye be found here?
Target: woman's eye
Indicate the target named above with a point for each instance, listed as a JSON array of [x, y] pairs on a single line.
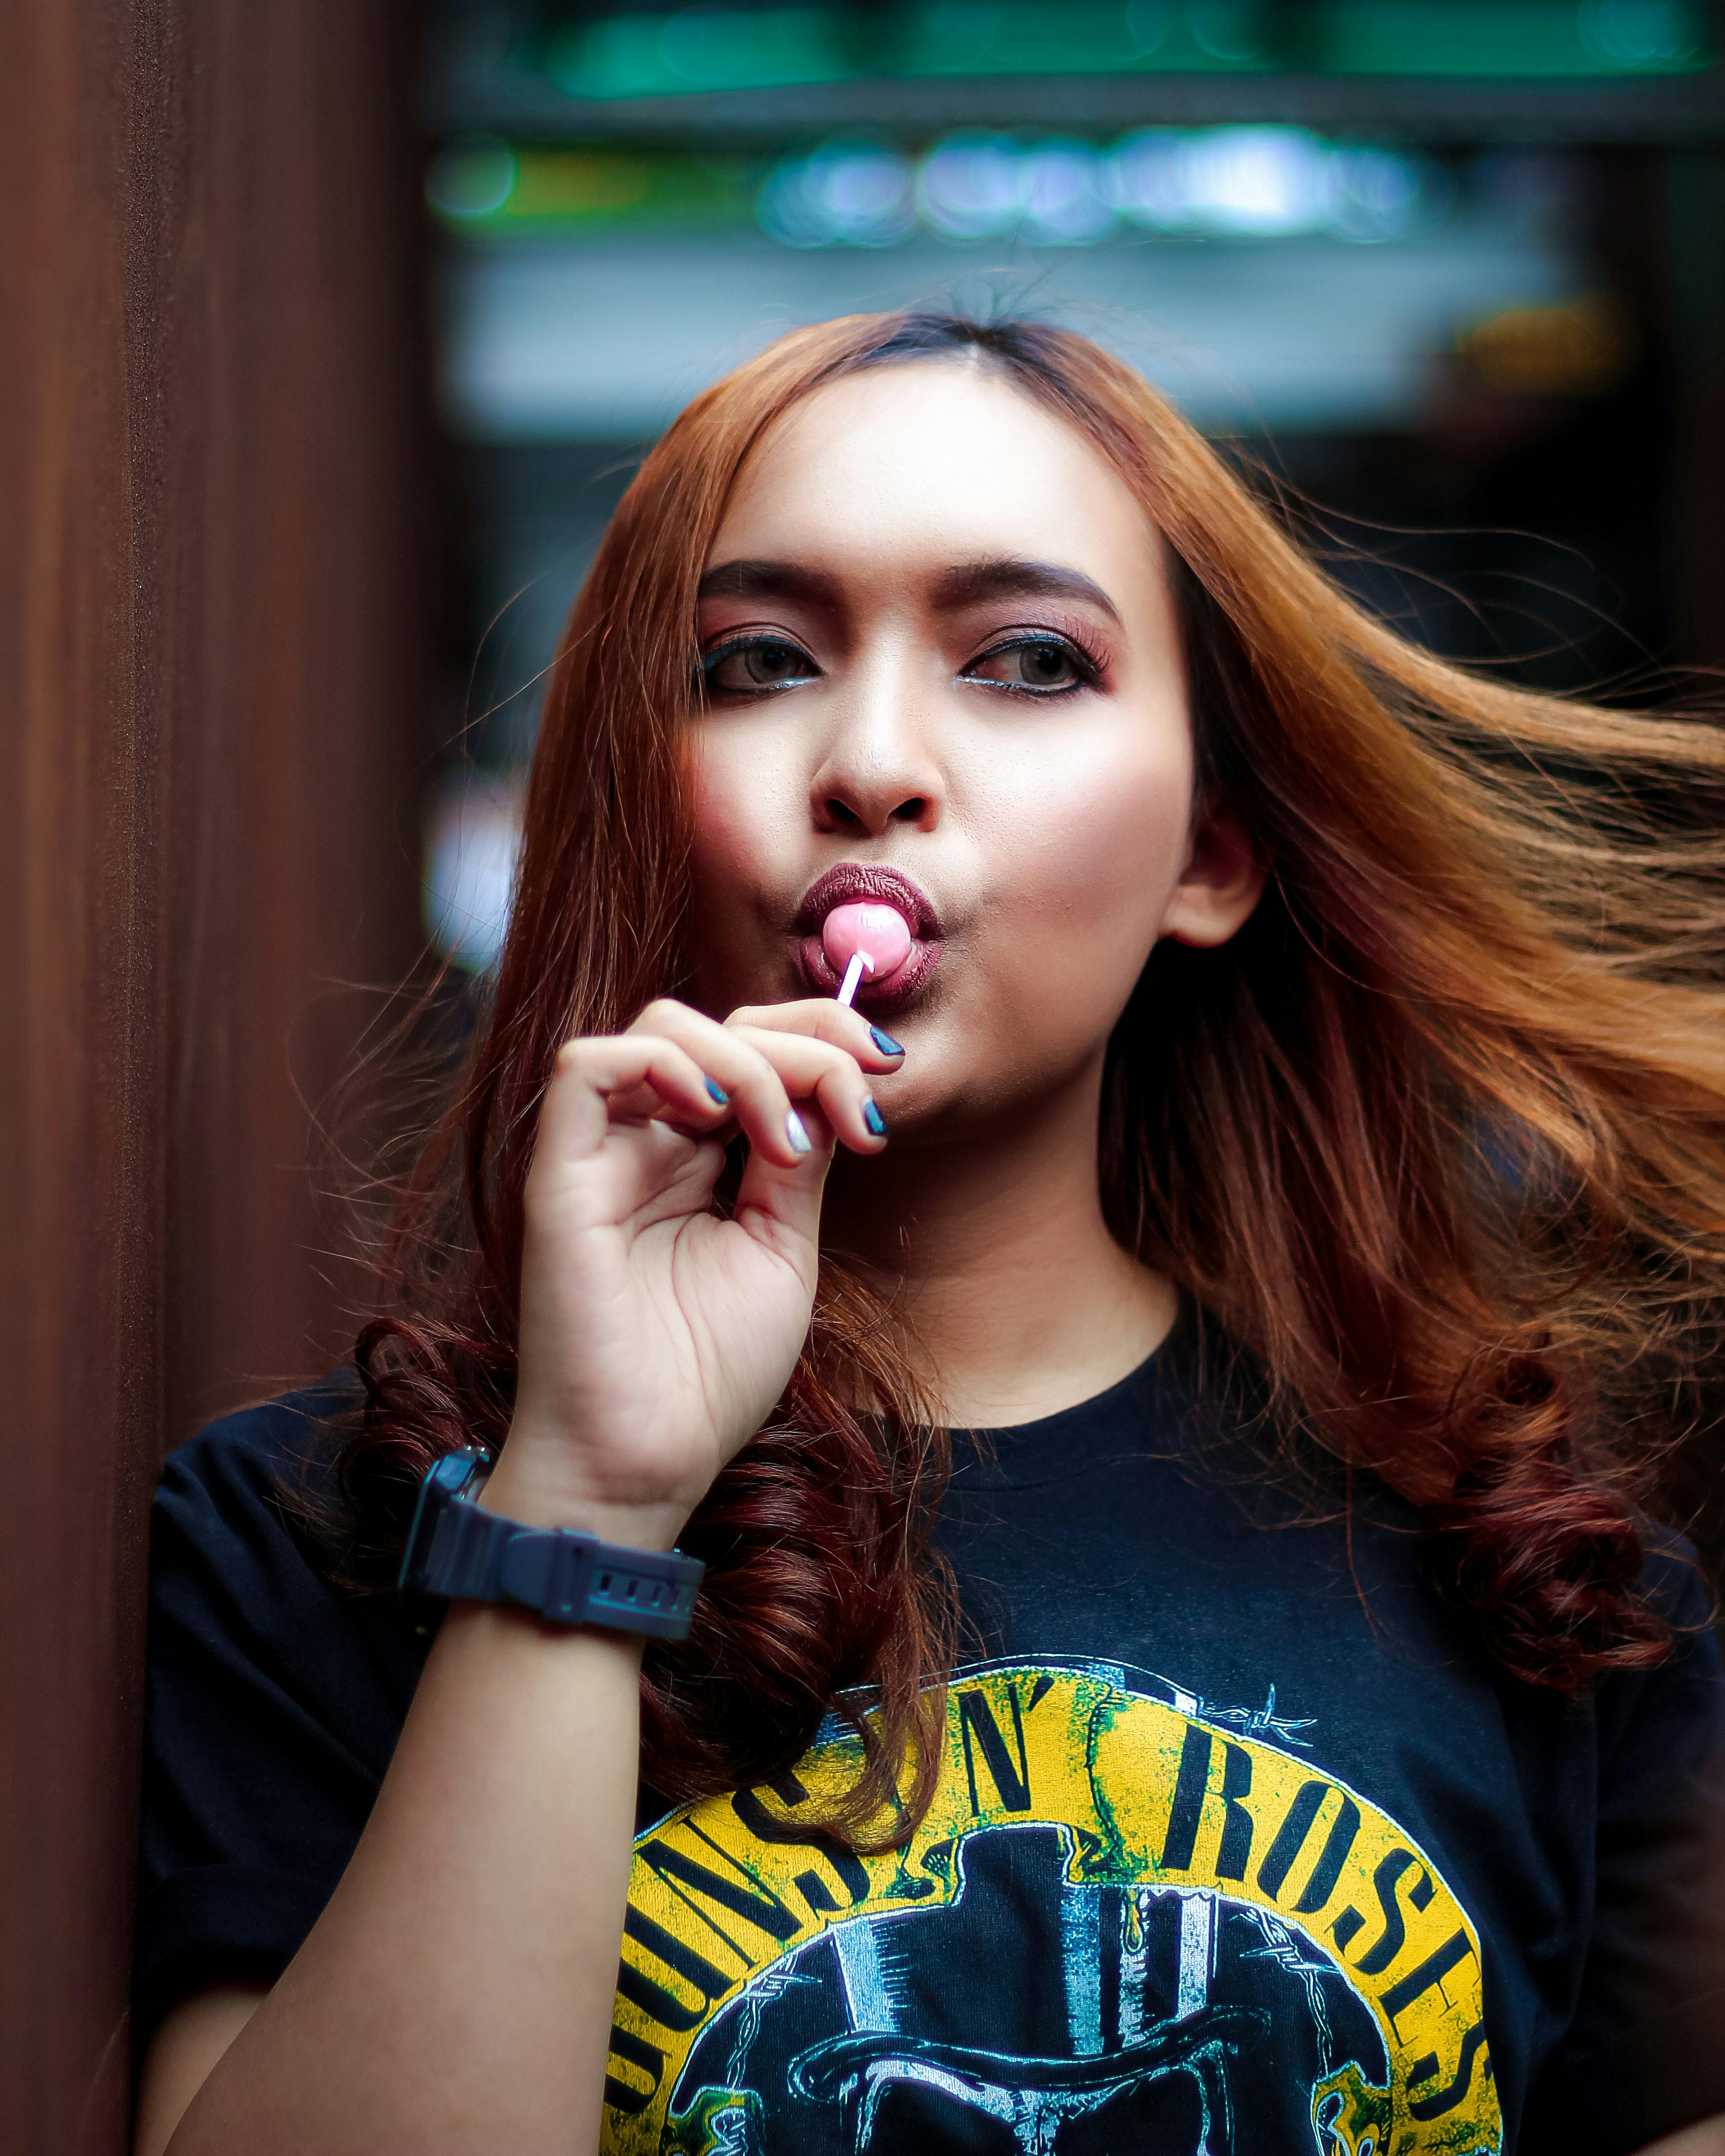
[[760, 663], [1044, 666]]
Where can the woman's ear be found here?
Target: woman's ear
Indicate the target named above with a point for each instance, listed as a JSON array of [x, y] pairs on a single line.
[[1222, 881]]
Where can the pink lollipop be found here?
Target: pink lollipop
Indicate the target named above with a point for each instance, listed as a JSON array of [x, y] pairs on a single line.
[[865, 938]]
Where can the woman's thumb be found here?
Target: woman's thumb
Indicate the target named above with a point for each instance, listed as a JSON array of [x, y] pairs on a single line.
[[781, 1206]]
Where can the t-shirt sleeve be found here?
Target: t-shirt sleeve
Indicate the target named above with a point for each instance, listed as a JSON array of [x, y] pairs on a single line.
[[272, 1699], [1645, 2053]]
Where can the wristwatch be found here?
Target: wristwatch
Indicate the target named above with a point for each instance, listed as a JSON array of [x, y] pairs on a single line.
[[458, 1551]]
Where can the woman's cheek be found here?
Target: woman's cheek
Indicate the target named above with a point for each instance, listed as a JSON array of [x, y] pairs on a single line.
[[737, 836], [744, 809], [1099, 844], [722, 851]]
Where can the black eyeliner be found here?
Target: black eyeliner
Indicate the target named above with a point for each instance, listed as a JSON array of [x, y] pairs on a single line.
[[1089, 667], [707, 662]]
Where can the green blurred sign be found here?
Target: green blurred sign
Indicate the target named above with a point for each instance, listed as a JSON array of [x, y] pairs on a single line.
[[707, 49]]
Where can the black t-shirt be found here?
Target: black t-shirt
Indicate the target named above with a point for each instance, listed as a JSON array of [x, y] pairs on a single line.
[[1241, 1843]]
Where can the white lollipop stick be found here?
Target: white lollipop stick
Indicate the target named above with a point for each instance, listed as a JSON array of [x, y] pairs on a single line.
[[854, 972]]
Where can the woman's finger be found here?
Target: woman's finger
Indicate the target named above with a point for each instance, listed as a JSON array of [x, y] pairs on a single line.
[[812, 1069], [657, 1172], [780, 1206], [769, 1076], [612, 1078], [821, 1017]]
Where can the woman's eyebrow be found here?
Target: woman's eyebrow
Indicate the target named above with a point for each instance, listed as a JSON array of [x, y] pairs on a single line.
[[1008, 577], [768, 580]]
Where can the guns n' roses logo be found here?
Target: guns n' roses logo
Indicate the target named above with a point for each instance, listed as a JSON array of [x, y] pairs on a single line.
[[1121, 1926]]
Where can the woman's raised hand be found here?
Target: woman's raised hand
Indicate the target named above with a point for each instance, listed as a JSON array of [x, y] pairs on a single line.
[[655, 1338]]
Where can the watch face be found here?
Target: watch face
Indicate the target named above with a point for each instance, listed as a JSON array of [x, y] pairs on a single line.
[[445, 1480], [454, 1475]]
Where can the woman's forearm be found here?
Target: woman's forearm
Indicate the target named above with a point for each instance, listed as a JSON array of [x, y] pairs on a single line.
[[456, 1993]]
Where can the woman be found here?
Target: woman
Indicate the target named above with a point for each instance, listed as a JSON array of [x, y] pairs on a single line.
[[1281, 1139]]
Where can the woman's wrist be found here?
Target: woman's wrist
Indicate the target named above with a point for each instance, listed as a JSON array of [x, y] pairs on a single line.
[[545, 1493]]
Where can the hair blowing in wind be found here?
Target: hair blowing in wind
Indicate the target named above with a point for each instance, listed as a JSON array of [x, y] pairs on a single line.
[[1439, 1138]]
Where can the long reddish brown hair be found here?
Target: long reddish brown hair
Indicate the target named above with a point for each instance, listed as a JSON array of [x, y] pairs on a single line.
[[1439, 1138]]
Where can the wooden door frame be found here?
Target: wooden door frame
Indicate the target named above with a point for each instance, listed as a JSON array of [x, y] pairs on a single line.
[[214, 449]]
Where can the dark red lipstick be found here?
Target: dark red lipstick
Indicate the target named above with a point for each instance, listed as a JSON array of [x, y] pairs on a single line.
[[854, 881]]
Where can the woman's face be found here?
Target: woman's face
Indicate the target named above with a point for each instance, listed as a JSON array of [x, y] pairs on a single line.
[[943, 674]]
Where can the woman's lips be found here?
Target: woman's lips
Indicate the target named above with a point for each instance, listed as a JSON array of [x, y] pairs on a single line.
[[854, 884]]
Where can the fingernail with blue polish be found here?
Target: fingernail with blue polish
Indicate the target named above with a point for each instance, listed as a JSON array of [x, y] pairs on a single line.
[[720, 1097], [875, 1120], [885, 1042], [795, 1135]]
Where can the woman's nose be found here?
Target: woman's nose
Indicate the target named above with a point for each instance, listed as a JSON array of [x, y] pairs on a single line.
[[878, 771]]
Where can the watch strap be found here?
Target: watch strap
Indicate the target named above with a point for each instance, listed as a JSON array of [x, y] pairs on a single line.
[[459, 1552]]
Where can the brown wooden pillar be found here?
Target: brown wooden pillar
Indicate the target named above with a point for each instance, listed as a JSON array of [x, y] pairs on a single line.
[[212, 467]]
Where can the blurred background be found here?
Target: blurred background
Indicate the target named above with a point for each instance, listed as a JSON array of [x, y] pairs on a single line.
[[1450, 274]]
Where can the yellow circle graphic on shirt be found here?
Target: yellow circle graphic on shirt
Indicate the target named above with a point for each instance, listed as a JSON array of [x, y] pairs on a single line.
[[1187, 1820]]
